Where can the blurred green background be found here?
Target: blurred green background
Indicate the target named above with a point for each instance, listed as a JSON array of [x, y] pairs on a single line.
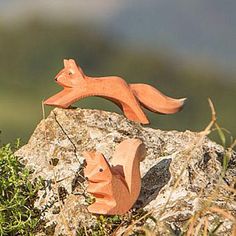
[[122, 39]]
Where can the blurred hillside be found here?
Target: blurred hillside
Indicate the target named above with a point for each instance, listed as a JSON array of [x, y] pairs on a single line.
[[200, 30], [31, 54]]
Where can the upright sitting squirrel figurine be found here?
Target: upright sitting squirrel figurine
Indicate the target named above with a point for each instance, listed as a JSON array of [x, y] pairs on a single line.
[[116, 187]]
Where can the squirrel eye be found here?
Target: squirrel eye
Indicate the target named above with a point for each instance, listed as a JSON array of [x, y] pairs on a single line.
[[100, 170], [70, 73]]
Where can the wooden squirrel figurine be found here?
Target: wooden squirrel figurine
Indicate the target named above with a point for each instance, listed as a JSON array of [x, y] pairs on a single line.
[[116, 187], [129, 97]]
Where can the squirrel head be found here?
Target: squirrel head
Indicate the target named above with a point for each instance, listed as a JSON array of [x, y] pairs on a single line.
[[97, 168], [71, 75]]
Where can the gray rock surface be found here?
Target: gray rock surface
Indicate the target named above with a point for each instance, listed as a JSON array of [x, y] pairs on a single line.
[[181, 175]]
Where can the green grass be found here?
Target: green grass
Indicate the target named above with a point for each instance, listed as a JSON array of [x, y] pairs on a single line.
[[17, 194], [108, 225]]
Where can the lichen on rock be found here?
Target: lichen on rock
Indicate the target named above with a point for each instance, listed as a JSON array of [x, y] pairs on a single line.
[[180, 175]]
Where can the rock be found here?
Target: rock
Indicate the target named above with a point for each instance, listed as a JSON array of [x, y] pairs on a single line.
[[181, 175]]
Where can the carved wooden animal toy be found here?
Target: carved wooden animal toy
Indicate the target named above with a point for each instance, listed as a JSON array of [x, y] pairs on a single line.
[[116, 187], [129, 97]]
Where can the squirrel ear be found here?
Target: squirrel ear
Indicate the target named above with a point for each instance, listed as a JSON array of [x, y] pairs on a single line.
[[66, 63], [72, 64], [102, 160]]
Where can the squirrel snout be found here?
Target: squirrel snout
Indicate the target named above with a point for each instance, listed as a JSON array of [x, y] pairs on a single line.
[[55, 79]]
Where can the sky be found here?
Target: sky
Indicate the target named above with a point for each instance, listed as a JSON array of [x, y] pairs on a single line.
[[204, 30]]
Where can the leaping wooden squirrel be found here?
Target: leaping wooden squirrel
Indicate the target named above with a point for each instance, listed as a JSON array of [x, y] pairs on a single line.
[[129, 97], [115, 187]]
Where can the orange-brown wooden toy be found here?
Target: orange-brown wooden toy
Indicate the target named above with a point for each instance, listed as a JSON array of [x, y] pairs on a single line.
[[129, 97], [116, 187]]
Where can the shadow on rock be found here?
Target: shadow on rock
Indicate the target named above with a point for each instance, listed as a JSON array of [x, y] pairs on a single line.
[[156, 178]]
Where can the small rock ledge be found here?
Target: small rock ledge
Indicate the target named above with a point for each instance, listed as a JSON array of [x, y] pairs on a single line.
[[54, 152]]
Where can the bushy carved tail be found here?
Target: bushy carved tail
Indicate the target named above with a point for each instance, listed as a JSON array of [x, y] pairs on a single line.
[[126, 158], [155, 101]]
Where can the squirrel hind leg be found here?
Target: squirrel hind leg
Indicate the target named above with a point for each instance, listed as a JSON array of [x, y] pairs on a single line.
[[134, 113], [99, 208], [137, 116]]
